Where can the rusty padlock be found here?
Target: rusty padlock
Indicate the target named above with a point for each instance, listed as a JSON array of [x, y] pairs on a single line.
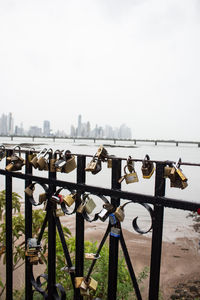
[[147, 167]]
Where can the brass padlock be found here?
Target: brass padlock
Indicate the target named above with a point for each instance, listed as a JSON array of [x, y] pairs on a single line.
[[69, 199], [130, 164], [70, 162], [147, 167], [29, 190], [34, 160], [42, 198], [119, 213], [89, 205], [16, 161], [42, 161], [81, 208], [177, 178], [102, 153], [83, 285], [31, 155], [34, 260], [167, 171], [109, 163], [131, 177], [78, 281], [94, 166], [91, 256], [85, 292], [92, 284], [59, 213]]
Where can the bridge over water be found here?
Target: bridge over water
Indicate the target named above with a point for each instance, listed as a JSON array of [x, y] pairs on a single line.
[[115, 141]]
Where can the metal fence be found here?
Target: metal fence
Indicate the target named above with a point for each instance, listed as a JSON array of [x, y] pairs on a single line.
[[112, 198]]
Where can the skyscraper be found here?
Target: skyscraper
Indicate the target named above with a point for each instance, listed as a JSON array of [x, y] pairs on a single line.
[[79, 129], [46, 128]]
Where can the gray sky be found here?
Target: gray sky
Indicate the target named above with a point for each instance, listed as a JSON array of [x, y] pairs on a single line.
[[135, 62]]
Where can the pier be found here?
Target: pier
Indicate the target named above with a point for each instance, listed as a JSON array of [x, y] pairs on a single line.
[[113, 140]]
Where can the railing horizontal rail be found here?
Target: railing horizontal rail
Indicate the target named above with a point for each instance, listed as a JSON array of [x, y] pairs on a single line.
[[135, 197]]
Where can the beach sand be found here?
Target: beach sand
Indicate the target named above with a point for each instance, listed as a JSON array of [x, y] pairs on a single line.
[[180, 259]]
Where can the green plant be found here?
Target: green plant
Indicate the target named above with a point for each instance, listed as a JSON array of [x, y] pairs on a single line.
[[100, 271]]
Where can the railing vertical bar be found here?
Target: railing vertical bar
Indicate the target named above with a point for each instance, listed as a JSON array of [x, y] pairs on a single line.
[[156, 247], [28, 233], [9, 247], [81, 160], [114, 242], [51, 240]]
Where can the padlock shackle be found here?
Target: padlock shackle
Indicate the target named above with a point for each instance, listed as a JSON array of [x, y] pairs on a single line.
[[67, 154], [40, 153], [146, 157], [14, 149]]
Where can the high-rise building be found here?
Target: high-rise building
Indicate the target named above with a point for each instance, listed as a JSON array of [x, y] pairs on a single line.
[[46, 128], [79, 129], [10, 124]]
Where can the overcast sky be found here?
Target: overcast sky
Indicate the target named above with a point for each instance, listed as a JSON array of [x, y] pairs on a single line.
[[113, 61]]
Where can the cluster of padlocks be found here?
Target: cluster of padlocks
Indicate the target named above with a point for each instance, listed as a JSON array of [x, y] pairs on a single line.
[[83, 203], [66, 163]]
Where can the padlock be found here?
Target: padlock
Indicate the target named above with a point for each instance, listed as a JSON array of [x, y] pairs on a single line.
[[83, 285], [131, 177], [52, 167], [177, 178], [89, 205], [109, 163], [56, 199], [70, 162], [29, 190], [59, 213], [105, 212], [34, 260], [130, 164], [85, 292], [115, 232], [34, 160], [16, 161], [42, 198], [60, 163], [102, 153], [69, 199], [103, 215], [119, 213], [167, 171], [42, 161], [92, 284], [112, 219], [78, 281], [81, 208], [31, 155], [147, 167], [91, 256], [94, 166]]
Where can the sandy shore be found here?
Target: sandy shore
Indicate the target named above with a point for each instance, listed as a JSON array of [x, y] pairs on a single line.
[[179, 259]]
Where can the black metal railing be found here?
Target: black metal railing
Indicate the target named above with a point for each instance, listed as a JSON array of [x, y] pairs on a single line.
[[154, 204]]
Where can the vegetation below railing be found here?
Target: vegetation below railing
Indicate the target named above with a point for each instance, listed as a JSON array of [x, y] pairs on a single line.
[[100, 273]]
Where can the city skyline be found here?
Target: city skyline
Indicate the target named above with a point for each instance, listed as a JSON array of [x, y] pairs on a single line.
[[83, 129]]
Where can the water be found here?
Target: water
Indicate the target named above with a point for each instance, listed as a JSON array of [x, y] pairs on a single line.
[[175, 222]]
